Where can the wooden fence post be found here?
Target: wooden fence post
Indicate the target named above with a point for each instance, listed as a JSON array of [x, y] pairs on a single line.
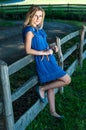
[[80, 59], [1, 104], [2, 121], [60, 57], [8, 110]]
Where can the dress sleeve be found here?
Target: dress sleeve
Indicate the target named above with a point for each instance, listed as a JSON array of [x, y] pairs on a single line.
[[28, 29]]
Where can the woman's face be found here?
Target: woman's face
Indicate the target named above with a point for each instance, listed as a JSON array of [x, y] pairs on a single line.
[[37, 18]]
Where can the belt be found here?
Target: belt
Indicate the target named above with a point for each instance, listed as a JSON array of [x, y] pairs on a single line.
[[45, 55]]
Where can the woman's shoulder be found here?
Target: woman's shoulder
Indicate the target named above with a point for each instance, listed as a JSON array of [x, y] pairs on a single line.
[[29, 28]]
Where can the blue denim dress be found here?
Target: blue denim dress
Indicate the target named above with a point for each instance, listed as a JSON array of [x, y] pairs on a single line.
[[47, 67]]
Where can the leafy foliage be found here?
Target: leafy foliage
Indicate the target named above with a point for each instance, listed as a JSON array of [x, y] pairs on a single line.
[[3, 0], [19, 12]]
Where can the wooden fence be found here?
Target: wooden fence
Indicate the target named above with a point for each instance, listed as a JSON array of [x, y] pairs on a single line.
[[61, 11], [6, 71], [57, 7]]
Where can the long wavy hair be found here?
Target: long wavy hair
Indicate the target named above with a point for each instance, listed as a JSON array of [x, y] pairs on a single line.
[[30, 15]]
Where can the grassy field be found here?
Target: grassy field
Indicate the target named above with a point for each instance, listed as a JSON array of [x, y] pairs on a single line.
[[72, 104], [55, 2]]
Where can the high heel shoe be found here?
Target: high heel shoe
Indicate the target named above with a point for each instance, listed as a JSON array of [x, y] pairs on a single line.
[[43, 100], [55, 115], [61, 117]]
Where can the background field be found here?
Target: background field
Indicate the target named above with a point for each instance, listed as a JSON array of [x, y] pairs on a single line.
[[45, 1], [55, 2]]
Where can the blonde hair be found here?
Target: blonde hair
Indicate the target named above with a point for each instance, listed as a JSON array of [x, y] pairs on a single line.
[[31, 13]]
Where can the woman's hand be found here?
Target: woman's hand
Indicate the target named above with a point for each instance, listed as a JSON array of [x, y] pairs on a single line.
[[55, 48], [48, 52]]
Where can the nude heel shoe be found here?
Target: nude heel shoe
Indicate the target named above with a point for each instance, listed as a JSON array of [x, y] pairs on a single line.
[[43, 100], [54, 114]]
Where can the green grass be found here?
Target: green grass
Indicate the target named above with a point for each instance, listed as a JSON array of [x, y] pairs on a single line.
[[6, 23], [72, 104], [54, 2], [78, 24], [73, 22]]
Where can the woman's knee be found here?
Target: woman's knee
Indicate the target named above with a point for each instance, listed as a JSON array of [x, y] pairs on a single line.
[[50, 90], [68, 80]]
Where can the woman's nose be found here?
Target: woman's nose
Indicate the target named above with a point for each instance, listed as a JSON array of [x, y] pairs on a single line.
[[38, 17]]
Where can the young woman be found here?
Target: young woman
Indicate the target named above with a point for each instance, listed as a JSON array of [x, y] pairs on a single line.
[[48, 71]]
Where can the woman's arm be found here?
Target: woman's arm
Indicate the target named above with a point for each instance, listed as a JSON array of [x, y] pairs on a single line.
[[31, 51]]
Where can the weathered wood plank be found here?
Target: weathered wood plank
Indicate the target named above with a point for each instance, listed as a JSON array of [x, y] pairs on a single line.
[[81, 47], [60, 55], [70, 36], [20, 64], [69, 51], [84, 42], [1, 107], [7, 97], [60, 58], [26, 119], [84, 55], [2, 118], [1, 64], [24, 88], [85, 28], [72, 67], [52, 44]]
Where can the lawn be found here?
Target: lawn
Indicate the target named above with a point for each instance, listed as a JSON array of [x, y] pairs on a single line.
[[72, 104], [55, 2]]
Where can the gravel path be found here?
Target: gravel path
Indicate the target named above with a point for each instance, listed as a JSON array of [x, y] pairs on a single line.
[[11, 44]]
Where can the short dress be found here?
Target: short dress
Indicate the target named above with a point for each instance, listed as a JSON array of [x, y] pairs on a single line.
[[47, 69]]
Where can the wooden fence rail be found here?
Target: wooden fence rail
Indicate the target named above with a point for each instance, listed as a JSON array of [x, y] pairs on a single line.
[[56, 7], [6, 71]]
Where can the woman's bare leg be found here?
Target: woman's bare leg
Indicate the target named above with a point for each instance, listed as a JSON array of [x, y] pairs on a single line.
[[65, 80], [51, 100]]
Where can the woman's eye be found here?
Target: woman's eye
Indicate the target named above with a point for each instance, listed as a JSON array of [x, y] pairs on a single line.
[[40, 16]]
